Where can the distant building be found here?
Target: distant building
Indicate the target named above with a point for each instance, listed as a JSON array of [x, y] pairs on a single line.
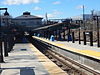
[[96, 13], [86, 16], [28, 20], [80, 17]]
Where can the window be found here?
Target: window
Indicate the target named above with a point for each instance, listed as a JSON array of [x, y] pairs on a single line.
[[38, 22], [23, 23]]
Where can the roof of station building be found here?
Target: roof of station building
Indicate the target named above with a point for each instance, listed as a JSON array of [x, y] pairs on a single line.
[[27, 15]]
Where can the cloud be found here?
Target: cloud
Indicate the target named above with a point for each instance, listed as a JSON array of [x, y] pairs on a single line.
[[54, 14], [50, 15], [37, 8], [79, 7], [40, 16], [56, 3], [18, 2]]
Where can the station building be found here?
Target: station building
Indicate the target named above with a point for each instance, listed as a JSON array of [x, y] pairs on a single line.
[[28, 20]]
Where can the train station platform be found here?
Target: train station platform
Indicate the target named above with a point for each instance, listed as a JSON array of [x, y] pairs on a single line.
[[75, 47], [83, 55], [25, 59]]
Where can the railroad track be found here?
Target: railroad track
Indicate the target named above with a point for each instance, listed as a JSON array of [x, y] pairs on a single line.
[[67, 64]]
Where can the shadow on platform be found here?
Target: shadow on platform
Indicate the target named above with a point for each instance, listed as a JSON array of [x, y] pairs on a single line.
[[0, 70], [23, 70]]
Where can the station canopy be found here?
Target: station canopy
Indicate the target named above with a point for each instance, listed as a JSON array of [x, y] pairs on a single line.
[[59, 26]]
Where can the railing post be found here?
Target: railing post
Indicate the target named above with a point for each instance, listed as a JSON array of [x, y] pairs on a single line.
[[84, 37], [73, 38], [64, 34], [91, 38], [1, 51], [5, 46]]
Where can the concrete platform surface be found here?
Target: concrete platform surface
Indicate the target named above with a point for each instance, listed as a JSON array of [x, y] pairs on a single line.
[[27, 60]]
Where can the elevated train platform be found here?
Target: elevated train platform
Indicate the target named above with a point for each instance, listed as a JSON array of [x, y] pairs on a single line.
[[25, 59]]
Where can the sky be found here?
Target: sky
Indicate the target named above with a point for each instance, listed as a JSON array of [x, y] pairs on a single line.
[[53, 8]]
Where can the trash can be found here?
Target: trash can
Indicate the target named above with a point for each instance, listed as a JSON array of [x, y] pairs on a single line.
[[34, 34], [24, 40], [52, 38], [69, 38], [38, 35]]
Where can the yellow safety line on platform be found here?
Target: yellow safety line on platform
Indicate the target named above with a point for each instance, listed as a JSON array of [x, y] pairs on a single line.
[[60, 44], [86, 52], [89, 52], [93, 53], [52, 68]]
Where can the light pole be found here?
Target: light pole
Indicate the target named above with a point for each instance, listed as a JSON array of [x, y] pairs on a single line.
[[79, 31], [1, 50], [91, 29], [98, 31], [83, 17], [97, 19], [84, 35], [6, 36]]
